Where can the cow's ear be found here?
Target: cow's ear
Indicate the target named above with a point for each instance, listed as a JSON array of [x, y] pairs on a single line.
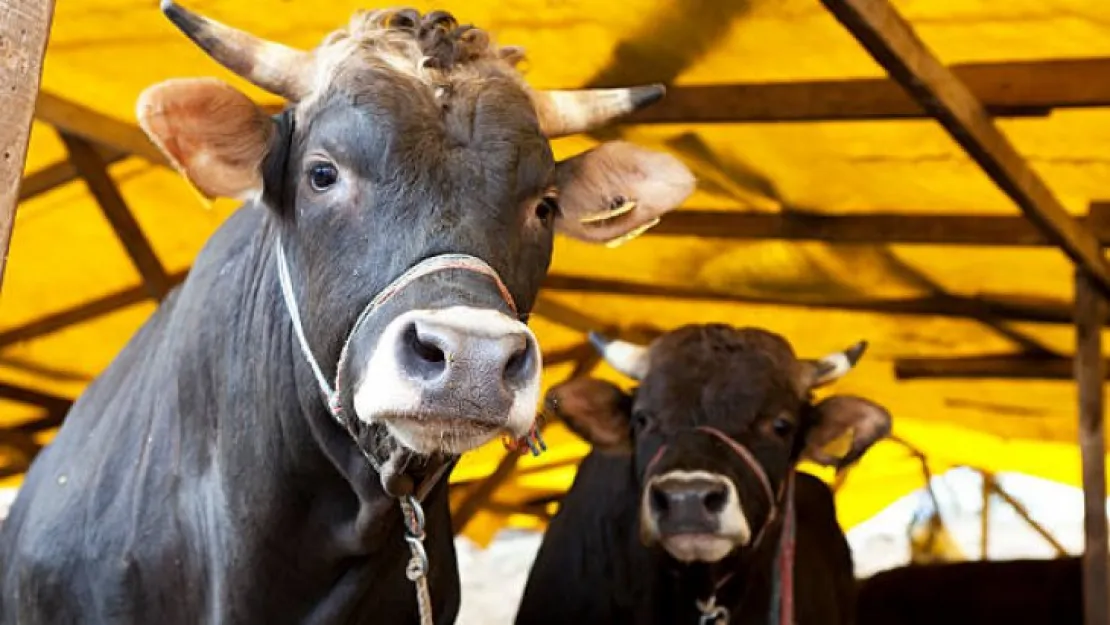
[[617, 191], [213, 134], [857, 422], [595, 410]]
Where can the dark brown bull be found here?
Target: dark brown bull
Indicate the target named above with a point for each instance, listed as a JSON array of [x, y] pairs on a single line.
[[684, 510], [1016, 592], [338, 341]]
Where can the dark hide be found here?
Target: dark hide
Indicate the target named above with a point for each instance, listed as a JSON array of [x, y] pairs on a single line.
[[603, 562], [199, 479], [592, 568], [1018, 592]]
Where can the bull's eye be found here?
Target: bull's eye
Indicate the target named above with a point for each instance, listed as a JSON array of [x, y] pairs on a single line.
[[547, 209], [782, 426], [322, 176]]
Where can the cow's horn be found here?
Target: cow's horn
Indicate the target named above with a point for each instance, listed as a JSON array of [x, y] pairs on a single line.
[[629, 359], [834, 366], [279, 69], [569, 112]]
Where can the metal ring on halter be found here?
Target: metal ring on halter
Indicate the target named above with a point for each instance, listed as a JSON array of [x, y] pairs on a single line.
[[711, 613], [418, 565], [414, 517]]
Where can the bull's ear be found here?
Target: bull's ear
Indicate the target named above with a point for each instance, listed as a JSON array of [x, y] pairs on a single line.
[[857, 422], [595, 410], [213, 134], [617, 191]]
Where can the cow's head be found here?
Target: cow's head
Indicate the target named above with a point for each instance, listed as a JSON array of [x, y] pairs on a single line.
[[408, 136], [701, 387]]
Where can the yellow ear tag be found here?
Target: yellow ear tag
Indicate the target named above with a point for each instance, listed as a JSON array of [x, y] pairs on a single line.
[[841, 445], [625, 238], [607, 214]]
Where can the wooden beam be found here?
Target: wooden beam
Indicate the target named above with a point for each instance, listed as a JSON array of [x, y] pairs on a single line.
[[1001, 367], [81, 121], [24, 31], [53, 176], [1012, 89], [872, 228], [95, 174], [1036, 311], [574, 353], [894, 44], [567, 316], [79, 314], [34, 397], [1090, 372]]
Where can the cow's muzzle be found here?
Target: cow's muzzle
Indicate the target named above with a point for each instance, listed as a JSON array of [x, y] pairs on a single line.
[[450, 380], [695, 516]]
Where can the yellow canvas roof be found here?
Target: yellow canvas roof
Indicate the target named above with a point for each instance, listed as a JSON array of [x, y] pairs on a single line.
[[103, 53]]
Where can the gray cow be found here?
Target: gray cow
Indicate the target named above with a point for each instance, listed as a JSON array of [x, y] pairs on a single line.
[[339, 340]]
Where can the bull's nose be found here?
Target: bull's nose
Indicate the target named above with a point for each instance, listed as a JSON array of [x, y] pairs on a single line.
[[437, 351], [688, 505]]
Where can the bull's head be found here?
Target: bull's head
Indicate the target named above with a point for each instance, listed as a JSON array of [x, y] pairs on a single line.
[[720, 417], [407, 137]]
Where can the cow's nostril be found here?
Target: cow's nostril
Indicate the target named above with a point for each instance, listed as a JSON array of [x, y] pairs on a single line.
[[424, 348], [517, 366], [660, 501], [715, 499], [422, 354]]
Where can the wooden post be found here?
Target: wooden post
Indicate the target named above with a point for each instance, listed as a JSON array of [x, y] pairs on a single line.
[[1089, 311], [24, 30]]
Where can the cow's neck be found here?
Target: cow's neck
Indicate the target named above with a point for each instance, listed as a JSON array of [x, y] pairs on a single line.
[[746, 585], [272, 423]]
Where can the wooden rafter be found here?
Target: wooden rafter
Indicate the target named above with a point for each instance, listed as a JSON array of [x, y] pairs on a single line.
[[873, 228], [567, 316], [1018, 89], [894, 44], [59, 174], [94, 171], [1037, 311], [1000, 367], [79, 314], [34, 397], [24, 31], [81, 121]]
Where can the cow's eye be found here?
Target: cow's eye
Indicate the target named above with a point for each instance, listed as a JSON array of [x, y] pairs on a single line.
[[782, 426], [322, 176], [547, 209], [639, 420]]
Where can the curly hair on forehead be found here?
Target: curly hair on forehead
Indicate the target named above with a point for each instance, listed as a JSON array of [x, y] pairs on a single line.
[[434, 40]]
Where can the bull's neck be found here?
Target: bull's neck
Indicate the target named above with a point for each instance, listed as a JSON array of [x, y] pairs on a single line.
[[742, 584], [266, 393]]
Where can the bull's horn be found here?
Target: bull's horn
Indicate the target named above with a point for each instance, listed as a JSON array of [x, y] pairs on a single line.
[[834, 366], [279, 69], [569, 112], [629, 359]]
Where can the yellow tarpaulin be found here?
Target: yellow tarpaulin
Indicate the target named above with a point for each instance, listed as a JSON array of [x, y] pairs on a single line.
[[102, 54]]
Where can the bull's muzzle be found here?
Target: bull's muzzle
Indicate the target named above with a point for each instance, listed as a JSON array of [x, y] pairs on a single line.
[[695, 515], [449, 380]]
